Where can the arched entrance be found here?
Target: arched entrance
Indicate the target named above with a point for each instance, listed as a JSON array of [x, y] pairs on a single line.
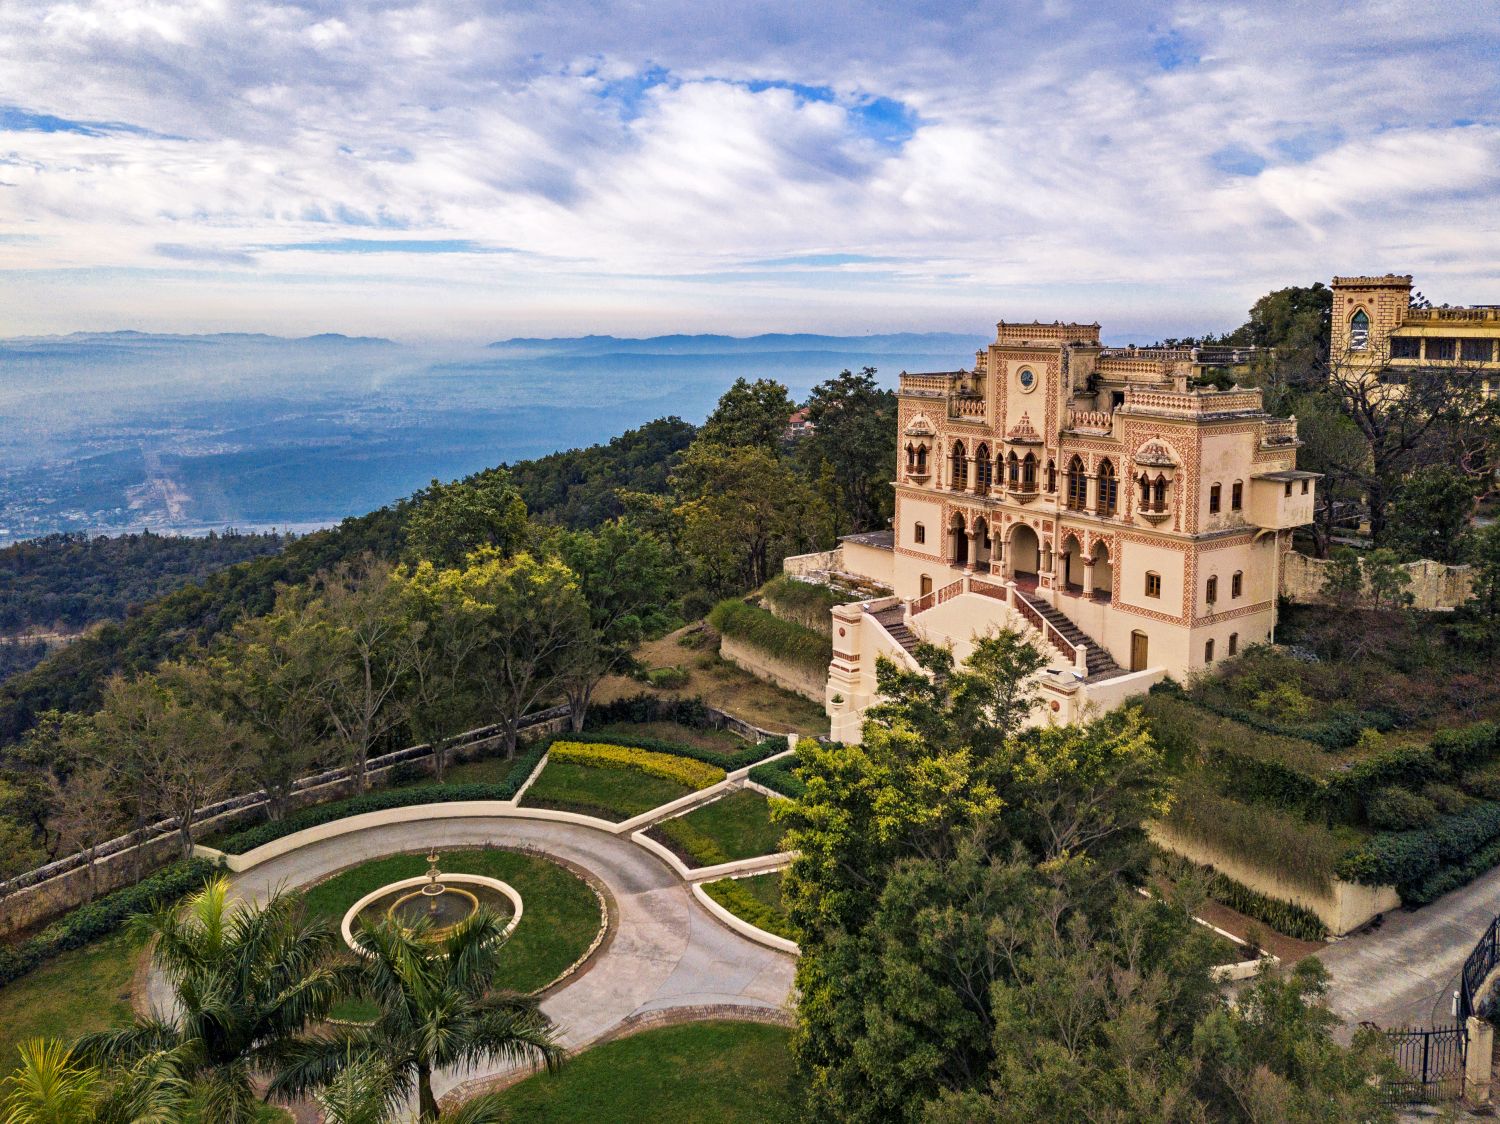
[[1072, 565], [1102, 573], [1023, 553], [958, 544], [983, 545]]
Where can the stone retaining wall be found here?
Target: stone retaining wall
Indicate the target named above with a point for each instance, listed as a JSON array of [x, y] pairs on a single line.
[[1435, 587], [795, 678]]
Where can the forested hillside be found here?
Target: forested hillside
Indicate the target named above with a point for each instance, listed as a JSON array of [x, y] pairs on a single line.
[[63, 583]]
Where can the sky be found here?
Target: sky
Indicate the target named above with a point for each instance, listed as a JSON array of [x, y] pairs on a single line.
[[462, 169]]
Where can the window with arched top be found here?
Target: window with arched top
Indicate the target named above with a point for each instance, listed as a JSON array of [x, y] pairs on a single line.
[[1211, 594], [1237, 496], [1237, 584], [1051, 476], [919, 533], [1208, 652], [1012, 470], [1109, 488], [1234, 643], [1359, 331], [1215, 498], [960, 477], [921, 458], [1078, 485], [1028, 473], [911, 456], [1159, 494]]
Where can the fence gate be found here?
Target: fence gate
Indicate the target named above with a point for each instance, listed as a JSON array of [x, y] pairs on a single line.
[[1431, 1061]]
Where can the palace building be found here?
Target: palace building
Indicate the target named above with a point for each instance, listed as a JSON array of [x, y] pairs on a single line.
[[1374, 326], [1132, 518]]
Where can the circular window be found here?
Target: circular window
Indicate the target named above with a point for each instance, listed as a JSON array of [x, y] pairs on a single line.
[[1027, 378]]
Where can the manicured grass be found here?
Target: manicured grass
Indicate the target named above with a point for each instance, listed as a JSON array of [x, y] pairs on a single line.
[[560, 914], [738, 826], [756, 899], [699, 1073], [710, 738], [609, 793], [83, 990]]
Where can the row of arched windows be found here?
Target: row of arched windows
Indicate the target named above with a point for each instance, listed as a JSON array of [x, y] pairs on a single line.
[[1026, 473]]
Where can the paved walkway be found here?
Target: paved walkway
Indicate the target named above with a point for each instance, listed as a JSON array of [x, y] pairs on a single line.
[[1405, 972], [666, 951]]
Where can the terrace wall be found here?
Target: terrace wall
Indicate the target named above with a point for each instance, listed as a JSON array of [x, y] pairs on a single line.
[[1435, 586]]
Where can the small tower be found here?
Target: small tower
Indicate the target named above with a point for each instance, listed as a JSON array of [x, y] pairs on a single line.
[[1365, 312]]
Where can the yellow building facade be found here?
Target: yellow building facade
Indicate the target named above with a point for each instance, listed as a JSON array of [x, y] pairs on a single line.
[[1128, 518]]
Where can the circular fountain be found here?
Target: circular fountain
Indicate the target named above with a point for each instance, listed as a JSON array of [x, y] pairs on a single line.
[[434, 904]]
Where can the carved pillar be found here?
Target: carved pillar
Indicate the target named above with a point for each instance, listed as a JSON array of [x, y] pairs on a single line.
[[1088, 578], [973, 537]]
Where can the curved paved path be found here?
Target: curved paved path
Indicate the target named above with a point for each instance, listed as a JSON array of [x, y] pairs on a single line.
[[1405, 972], [666, 951]]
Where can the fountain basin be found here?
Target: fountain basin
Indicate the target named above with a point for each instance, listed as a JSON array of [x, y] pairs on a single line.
[[405, 901]]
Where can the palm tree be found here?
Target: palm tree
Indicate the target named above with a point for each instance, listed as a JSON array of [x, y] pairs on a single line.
[[436, 1010], [52, 1086], [247, 980]]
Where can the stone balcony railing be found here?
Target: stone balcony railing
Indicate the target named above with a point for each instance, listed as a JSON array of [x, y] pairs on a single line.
[[1281, 431], [927, 385], [1191, 403], [1450, 315], [1101, 420]]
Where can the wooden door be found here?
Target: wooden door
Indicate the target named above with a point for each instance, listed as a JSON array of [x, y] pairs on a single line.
[[1137, 651]]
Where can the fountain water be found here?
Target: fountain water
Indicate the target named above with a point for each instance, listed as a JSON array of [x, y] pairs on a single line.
[[437, 903]]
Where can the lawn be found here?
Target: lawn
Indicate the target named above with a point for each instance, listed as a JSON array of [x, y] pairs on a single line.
[[756, 899], [738, 826], [698, 1073], [609, 793], [559, 920], [83, 990]]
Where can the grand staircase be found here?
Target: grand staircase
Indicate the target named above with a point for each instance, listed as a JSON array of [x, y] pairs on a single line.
[[1101, 665], [893, 620]]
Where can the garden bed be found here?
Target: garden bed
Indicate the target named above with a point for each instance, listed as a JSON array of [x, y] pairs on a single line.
[[697, 1073], [615, 782], [756, 899], [559, 922], [737, 826]]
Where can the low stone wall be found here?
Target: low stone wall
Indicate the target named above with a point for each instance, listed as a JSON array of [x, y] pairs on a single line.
[[795, 678], [1344, 907], [1435, 586], [801, 565], [38, 903]]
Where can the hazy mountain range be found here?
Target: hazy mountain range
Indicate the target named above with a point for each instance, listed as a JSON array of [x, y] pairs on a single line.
[[122, 430]]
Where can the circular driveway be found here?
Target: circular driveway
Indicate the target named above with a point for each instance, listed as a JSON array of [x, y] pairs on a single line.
[[665, 951]]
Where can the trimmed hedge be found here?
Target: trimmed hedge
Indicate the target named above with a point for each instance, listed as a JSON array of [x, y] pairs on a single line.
[[1409, 859], [1339, 730], [667, 766], [644, 708], [779, 777], [102, 916], [747, 907], [525, 764], [726, 761], [772, 635]]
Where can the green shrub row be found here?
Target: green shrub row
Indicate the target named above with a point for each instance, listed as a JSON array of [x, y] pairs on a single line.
[[665, 766], [764, 630], [102, 916], [642, 708], [1408, 859], [789, 593], [1285, 917], [700, 848], [1306, 854], [526, 761], [779, 777], [1339, 730], [726, 761], [747, 907], [1448, 878]]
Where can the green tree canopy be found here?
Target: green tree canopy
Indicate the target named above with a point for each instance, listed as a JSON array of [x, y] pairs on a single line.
[[1431, 515], [854, 434], [750, 413], [448, 522]]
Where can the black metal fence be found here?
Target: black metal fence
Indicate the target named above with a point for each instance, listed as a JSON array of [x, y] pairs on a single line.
[[1431, 1063], [1479, 965]]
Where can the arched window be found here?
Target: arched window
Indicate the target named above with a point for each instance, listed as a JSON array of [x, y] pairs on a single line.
[[984, 468], [1215, 495], [919, 533], [921, 458], [1359, 331], [1109, 488], [1159, 494], [1078, 485], [1051, 476], [960, 477], [1237, 584], [1145, 483], [1028, 473], [1211, 594], [1234, 643], [1237, 496], [1208, 652], [1012, 470], [911, 456]]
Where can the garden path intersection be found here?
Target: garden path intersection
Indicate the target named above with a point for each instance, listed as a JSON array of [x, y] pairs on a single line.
[[665, 953]]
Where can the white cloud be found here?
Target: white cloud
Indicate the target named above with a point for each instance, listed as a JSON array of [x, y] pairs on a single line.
[[1044, 154]]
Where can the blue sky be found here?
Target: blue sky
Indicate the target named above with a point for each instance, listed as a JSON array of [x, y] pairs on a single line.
[[468, 169]]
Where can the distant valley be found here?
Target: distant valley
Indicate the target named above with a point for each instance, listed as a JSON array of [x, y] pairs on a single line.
[[118, 431]]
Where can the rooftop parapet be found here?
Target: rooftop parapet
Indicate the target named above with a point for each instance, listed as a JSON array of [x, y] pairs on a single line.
[[1049, 335], [1479, 313], [1191, 403], [1383, 281]]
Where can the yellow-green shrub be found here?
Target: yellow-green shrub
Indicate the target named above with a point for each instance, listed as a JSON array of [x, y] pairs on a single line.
[[683, 770]]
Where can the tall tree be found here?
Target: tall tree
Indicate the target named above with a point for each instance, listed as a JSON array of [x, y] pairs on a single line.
[[1431, 515], [448, 522], [625, 576], [538, 629], [52, 1086], [854, 424], [1479, 615], [85, 813], [247, 980], [435, 1009], [363, 660], [752, 414]]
